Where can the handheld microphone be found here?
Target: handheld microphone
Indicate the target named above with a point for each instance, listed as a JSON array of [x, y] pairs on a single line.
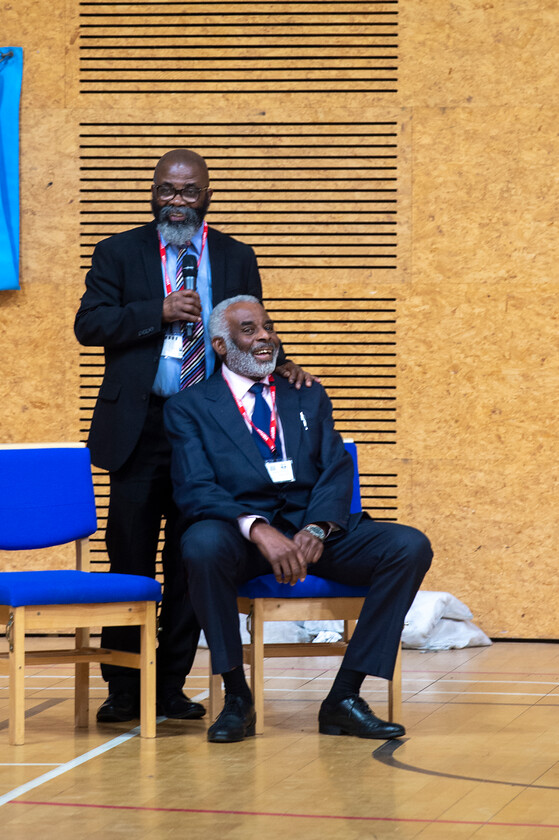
[[189, 275]]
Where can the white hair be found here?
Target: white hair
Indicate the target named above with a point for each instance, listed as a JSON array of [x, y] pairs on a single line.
[[218, 326]]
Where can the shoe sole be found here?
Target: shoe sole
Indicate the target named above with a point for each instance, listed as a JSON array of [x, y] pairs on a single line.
[[115, 719], [327, 729]]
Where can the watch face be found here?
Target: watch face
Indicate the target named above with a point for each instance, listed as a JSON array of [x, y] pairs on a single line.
[[316, 531]]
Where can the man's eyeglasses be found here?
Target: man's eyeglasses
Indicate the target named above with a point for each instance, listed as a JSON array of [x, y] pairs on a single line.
[[166, 192]]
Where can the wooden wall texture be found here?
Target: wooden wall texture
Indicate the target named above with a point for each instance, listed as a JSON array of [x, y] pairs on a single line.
[[394, 166]]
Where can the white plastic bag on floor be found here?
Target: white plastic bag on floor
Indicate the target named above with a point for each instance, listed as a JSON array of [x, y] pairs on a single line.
[[449, 634], [425, 613]]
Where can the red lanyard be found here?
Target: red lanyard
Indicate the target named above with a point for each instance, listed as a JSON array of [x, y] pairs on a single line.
[[269, 440], [163, 255]]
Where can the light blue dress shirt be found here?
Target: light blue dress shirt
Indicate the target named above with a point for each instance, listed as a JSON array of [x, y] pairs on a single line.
[[167, 380]]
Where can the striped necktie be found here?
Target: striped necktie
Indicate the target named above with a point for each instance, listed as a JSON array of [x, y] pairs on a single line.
[[193, 366]]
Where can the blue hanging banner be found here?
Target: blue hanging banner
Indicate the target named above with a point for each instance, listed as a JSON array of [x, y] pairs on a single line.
[[11, 68]]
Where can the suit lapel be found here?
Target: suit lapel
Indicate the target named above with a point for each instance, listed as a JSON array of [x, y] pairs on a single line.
[[152, 260], [288, 406], [228, 416], [217, 267]]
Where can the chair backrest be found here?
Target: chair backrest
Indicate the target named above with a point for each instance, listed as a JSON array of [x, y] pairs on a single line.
[[46, 495], [356, 497]]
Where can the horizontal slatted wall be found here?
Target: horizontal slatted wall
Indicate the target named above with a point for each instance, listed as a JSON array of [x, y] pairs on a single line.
[[350, 344], [231, 47], [315, 201], [306, 196]]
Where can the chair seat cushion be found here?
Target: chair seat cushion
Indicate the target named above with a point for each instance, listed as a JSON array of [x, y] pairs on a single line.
[[21, 589], [266, 586]]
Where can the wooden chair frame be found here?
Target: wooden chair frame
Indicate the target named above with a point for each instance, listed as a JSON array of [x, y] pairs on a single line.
[[77, 618], [260, 610]]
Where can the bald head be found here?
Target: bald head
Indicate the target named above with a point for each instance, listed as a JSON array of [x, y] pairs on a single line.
[[182, 158]]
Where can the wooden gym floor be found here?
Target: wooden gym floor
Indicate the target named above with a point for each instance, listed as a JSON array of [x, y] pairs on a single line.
[[480, 760]]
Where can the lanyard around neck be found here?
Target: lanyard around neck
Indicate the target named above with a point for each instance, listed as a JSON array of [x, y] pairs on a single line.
[[270, 439]]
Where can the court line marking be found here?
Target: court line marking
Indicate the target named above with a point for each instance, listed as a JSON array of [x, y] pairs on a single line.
[[60, 769], [212, 811], [69, 765]]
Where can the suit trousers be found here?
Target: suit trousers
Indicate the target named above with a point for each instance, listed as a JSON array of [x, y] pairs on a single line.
[[389, 558], [140, 496]]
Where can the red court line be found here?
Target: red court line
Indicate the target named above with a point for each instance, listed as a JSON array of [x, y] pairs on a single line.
[[289, 816]]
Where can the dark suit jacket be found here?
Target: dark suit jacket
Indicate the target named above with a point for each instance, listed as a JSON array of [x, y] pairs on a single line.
[[121, 311], [218, 472]]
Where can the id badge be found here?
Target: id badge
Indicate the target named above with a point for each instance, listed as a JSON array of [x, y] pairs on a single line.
[[172, 346], [280, 471]]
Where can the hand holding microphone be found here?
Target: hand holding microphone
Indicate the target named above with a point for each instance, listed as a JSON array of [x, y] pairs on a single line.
[[184, 305]]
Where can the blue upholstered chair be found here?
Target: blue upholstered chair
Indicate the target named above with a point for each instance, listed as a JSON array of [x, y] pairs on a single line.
[[314, 599], [46, 499]]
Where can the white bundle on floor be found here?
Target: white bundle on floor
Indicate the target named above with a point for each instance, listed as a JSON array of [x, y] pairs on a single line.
[[439, 621]]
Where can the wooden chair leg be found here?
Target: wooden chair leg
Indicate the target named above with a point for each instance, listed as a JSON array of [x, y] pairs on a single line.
[[257, 663], [147, 673], [81, 691], [16, 729], [215, 700], [395, 691], [349, 627]]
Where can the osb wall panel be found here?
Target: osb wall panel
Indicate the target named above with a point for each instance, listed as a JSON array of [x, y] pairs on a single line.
[[471, 454], [478, 52]]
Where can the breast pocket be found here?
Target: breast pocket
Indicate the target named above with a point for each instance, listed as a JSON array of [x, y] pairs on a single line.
[[109, 391]]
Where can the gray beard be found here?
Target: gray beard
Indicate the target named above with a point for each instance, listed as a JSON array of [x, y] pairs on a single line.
[[178, 233], [244, 363]]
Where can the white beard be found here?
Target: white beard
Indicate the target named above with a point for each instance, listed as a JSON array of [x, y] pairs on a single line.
[[244, 363]]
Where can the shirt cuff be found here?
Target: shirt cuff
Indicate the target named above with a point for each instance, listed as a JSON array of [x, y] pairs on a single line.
[[246, 522]]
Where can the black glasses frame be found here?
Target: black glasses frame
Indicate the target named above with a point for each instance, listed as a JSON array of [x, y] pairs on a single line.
[[190, 193]]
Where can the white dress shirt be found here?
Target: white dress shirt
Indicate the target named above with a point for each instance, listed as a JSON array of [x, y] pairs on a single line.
[[240, 386]]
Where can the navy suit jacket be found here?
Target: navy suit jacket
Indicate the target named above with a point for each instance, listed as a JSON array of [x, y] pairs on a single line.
[[121, 311], [219, 473]]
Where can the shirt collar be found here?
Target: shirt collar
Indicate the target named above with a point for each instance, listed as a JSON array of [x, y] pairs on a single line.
[[239, 384]]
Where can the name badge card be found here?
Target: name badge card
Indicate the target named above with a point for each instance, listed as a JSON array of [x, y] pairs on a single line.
[[280, 471], [172, 345]]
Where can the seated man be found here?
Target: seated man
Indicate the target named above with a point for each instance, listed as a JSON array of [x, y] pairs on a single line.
[[266, 483]]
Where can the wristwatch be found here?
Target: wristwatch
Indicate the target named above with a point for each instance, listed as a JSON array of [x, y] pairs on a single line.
[[316, 531]]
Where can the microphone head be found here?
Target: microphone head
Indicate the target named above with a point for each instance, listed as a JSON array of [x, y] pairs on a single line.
[[189, 271]]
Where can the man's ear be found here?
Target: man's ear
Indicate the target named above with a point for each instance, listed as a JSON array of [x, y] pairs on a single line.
[[218, 344]]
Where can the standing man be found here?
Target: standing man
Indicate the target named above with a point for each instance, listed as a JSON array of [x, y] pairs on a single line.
[[265, 481], [135, 306]]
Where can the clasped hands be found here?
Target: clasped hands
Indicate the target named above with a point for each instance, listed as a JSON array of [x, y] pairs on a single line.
[[288, 558]]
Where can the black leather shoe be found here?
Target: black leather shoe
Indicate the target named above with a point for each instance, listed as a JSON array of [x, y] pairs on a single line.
[[235, 723], [119, 706], [352, 716], [179, 707]]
